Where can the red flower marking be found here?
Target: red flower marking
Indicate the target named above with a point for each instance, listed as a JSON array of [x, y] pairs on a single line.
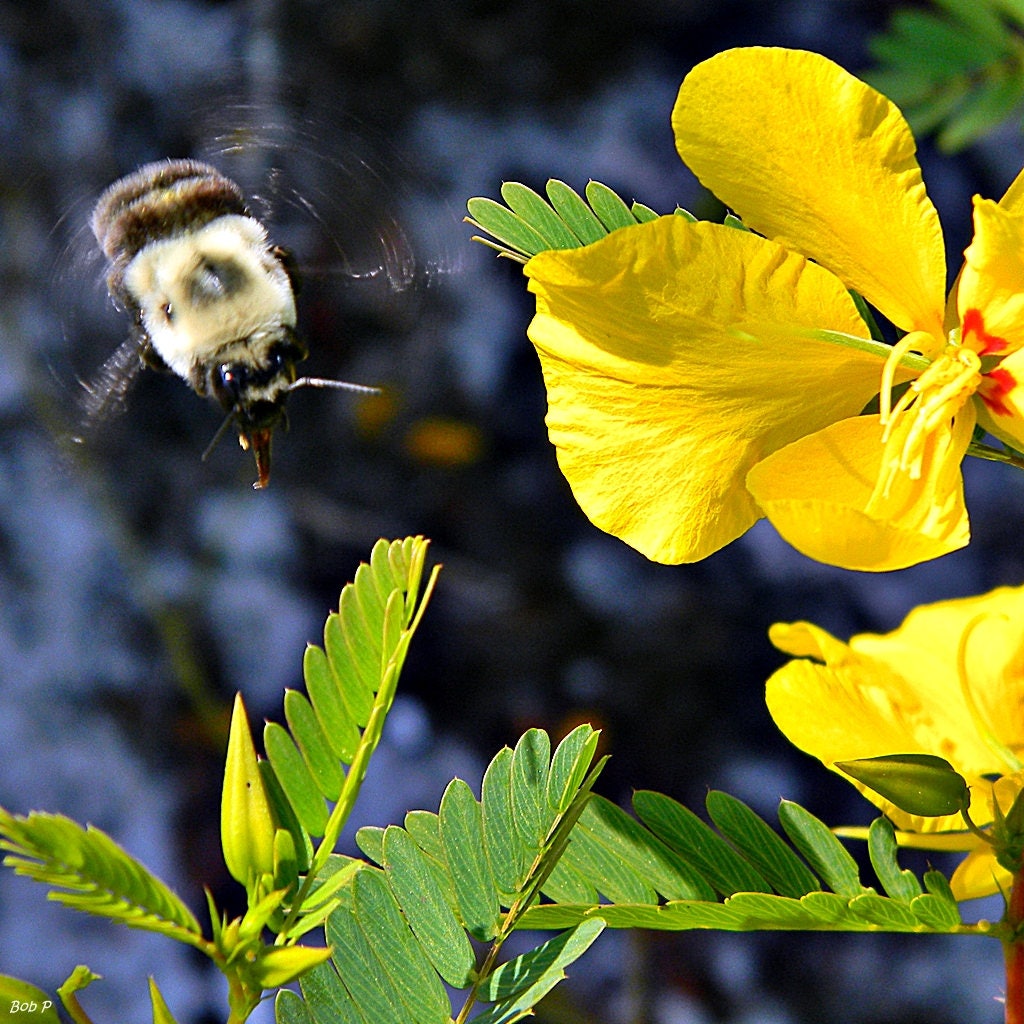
[[993, 389], [985, 344]]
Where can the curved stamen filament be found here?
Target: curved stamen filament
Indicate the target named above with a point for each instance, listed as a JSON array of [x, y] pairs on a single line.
[[899, 350]]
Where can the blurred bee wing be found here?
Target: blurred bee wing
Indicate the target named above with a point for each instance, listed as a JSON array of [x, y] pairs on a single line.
[[106, 394]]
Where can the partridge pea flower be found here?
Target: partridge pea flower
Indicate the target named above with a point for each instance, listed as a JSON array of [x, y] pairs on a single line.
[[949, 682], [701, 377]]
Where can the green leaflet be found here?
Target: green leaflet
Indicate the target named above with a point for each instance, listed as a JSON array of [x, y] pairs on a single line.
[[956, 71], [405, 930], [794, 902], [351, 683], [826, 855], [787, 874], [530, 224], [431, 917], [88, 871], [40, 1008], [466, 858], [518, 985], [681, 830]]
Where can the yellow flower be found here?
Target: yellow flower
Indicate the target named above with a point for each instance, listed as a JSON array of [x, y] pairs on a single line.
[[700, 377], [949, 681]]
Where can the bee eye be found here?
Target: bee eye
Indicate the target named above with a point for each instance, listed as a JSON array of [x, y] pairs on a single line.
[[232, 380]]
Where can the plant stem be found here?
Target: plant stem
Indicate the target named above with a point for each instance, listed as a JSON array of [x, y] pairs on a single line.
[[1013, 951]]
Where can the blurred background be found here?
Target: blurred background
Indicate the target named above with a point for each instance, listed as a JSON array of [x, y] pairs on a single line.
[[140, 587]]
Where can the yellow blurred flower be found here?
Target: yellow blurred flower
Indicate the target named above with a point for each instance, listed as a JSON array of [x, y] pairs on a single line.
[[949, 681], [700, 377]]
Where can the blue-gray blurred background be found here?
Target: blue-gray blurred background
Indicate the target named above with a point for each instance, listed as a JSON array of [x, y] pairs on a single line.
[[140, 587]]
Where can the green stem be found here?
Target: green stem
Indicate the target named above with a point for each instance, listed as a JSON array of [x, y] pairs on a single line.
[[1013, 951]]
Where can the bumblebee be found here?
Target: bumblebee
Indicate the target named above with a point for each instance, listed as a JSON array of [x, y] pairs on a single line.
[[210, 298]]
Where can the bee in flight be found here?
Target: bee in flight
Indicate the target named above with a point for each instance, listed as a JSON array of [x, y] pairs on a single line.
[[210, 297]]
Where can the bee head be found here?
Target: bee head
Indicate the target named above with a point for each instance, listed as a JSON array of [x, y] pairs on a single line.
[[252, 390]]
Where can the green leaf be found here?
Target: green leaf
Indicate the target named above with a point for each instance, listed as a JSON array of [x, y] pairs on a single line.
[[566, 884], [916, 783], [531, 225], [610, 209], [161, 1012], [643, 214], [33, 1002], [899, 884], [529, 777], [888, 915], [425, 828], [937, 884], [982, 110], [370, 839], [627, 843], [88, 871], [368, 984], [352, 656], [936, 913], [289, 1008], [274, 966], [774, 860], [747, 911], [325, 696], [316, 751], [684, 832], [506, 852], [295, 779], [466, 857], [571, 207], [401, 956], [597, 855], [539, 215], [828, 858], [414, 884], [284, 814], [507, 227], [327, 997], [548, 961], [569, 766]]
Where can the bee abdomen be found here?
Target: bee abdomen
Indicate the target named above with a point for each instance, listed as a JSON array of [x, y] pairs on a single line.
[[157, 201]]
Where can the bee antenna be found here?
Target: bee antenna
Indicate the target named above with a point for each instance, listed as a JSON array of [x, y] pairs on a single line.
[[340, 385], [221, 431]]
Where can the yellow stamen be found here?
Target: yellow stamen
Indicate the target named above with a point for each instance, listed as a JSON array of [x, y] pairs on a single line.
[[906, 344], [931, 401]]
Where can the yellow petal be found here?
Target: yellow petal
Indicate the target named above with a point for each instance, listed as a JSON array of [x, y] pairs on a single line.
[[947, 682], [965, 658], [841, 712], [979, 874], [812, 157], [948, 842], [673, 359], [1013, 198], [999, 400], [857, 707], [992, 281], [819, 493]]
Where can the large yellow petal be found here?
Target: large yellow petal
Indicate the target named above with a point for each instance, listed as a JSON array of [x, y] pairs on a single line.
[[819, 493], [812, 157], [871, 698], [673, 361]]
